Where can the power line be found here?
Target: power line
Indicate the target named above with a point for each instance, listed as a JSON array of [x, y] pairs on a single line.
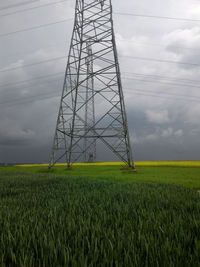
[[30, 51], [157, 96], [154, 76], [171, 94], [35, 27], [183, 97], [160, 82], [149, 91], [19, 4], [29, 99], [40, 85], [32, 8], [137, 74], [30, 80], [131, 57], [157, 45], [155, 17], [62, 43], [117, 13], [53, 45], [53, 23], [10, 85], [32, 64], [59, 73], [162, 60], [143, 92], [13, 85], [136, 91]]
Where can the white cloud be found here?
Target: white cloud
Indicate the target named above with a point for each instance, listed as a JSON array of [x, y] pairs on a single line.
[[194, 11], [159, 117], [167, 133], [143, 139], [188, 38], [127, 46], [184, 43], [171, 132], [193, 115], [195, 132], [178, 133], [157, 135]]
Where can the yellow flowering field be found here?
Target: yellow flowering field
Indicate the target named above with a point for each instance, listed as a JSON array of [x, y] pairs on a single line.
[[137, 163]]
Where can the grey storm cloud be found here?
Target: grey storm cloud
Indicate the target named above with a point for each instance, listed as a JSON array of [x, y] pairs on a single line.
[[162, 97]]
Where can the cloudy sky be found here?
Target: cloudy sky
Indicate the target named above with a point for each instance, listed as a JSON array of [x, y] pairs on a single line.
[[160, 65]]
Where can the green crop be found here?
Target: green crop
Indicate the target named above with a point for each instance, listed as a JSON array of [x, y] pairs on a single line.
[[178, 175], [53, 220]]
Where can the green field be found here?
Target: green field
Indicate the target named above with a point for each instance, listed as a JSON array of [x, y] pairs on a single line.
[[99, 216], [180, 173]]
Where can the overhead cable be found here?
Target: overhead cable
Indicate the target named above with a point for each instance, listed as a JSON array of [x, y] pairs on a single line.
[[130, 57], [143, 92], [163, 77], [32, 64], [32, 8], [161, 82], [139, 76], [162, 60], [155, 17], [35, 27], [52, 94], [30, 80], [168, 93], [19, 4], [157, 45]]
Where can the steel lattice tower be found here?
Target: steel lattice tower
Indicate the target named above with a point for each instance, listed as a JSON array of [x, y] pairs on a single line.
[[92, 103]]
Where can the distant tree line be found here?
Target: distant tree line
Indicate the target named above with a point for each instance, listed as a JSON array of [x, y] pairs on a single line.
[[6, 164]]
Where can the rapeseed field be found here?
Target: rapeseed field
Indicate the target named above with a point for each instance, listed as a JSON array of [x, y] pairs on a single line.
[[137, 163]]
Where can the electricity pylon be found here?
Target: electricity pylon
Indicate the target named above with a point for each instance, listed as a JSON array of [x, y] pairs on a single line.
[[92, 104]]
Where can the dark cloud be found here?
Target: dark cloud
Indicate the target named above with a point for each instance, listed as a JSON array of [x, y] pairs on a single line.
[[163, 117]]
